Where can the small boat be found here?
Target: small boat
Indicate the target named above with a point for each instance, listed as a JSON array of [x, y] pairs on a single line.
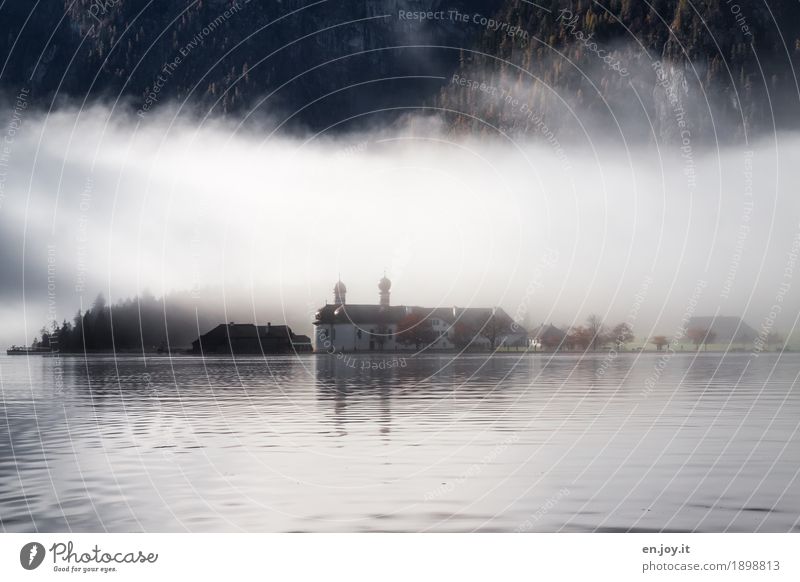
[[24, 351]]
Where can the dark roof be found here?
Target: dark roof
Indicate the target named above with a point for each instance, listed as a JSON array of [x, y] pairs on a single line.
[[549, 330], [275, 331], [727, 328], [237, 330], [252, 331], [247, 338]]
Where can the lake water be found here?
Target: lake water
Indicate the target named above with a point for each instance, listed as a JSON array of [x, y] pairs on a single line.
[[516, 442]]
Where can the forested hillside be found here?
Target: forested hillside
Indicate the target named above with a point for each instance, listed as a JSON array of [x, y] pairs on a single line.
[[624, 64], [277, 57], [317, 63]]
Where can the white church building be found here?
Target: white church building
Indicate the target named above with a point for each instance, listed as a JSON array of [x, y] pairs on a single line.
[[345, 327]]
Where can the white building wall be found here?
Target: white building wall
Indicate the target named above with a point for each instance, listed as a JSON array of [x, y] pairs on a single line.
[[344, 337]]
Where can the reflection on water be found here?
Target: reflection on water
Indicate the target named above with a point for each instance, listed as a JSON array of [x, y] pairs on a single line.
[[510, 443]]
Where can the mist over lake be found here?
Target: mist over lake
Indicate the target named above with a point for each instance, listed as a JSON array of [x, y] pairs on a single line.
[[235, 223]]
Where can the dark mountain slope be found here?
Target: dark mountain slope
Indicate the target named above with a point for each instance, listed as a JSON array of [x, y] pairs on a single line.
[[722, 68], [232, 55], [730, 67]]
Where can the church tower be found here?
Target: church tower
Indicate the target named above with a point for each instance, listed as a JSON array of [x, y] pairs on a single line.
[[384, 285], [339, 293]]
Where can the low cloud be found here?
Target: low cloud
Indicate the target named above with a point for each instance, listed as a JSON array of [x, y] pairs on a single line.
[[260, 224]]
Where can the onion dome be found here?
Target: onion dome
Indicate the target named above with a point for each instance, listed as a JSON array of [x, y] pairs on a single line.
[[339, 292]]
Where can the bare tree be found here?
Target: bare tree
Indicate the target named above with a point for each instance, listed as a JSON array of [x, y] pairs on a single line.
[[596, 330], [659, 341], [622, 334], [495, 327]]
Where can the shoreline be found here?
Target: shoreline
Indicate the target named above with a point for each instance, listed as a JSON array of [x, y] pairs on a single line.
[[396, 354]]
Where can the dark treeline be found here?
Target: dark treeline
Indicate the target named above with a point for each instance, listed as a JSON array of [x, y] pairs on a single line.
[[142, 323]]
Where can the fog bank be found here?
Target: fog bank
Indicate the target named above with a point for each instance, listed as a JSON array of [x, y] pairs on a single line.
[[250, 224]]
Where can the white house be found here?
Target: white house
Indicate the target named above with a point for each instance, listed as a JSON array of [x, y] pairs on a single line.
[[346, 327]]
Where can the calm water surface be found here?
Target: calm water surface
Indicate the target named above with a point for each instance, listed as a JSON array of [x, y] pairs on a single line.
[[509, 443]]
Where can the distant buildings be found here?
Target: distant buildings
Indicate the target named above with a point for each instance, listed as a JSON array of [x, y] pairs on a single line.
[[548, 337], [345, 327], [246, 338], [27, 351], [724, 329]]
